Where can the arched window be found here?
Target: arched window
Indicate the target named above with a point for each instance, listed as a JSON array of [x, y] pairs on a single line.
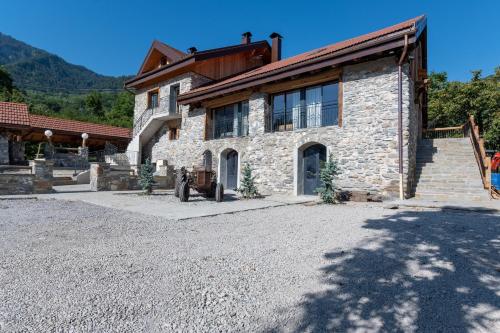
[[207, 160]]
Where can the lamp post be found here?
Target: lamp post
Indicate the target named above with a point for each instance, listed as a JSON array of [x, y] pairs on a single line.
[[85, 136], [48, 133]]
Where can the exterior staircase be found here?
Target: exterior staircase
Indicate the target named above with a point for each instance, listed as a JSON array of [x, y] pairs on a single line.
[[447, 171]]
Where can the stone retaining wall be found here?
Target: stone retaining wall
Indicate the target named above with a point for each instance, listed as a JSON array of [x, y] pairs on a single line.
[[37, 182], [104, 177]]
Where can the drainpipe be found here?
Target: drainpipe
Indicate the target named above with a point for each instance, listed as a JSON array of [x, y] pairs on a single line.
[[400, 117]]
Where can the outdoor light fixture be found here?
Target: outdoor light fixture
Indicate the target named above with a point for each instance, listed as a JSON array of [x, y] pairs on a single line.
[[85, 136], [48, 133]]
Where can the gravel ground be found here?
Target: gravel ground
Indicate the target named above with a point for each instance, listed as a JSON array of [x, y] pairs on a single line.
[[71, 266]]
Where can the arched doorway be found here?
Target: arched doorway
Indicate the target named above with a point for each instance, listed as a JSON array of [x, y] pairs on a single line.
[[207, 160], [229, 169], [311, 159]]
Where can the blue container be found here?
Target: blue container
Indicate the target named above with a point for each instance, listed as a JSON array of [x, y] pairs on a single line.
[[495, 180]]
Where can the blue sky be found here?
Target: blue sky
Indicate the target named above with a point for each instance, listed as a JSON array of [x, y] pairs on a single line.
[[111, 37]]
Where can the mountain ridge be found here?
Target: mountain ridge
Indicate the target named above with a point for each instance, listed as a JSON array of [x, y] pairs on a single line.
[[37, 70]]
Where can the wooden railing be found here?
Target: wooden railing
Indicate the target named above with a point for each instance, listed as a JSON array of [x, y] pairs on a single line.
[[444, 133], [483, 161]]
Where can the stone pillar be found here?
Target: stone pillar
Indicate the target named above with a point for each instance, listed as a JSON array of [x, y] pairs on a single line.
[[4, 150], [17, 151], [97, 178], [44, 172], [257, 113]]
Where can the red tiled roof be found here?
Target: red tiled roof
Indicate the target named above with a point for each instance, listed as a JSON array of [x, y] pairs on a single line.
[[307, 56], [14, 113], [67, 125]]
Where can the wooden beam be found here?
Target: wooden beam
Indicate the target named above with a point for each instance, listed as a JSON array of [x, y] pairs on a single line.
[[226, 100], [331, 74]]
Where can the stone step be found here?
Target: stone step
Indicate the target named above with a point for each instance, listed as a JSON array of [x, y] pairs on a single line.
[[60, 181], [450, 197]]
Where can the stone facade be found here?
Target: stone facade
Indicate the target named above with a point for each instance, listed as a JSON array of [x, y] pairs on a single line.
[[365, 145]]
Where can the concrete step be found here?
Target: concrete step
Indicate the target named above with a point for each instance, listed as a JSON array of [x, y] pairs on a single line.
[[60, 181]]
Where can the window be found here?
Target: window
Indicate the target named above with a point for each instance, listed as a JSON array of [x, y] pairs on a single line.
[[174, 93], [163, 61], [230, 120], [305, 108], [153, 101], [173, 133]]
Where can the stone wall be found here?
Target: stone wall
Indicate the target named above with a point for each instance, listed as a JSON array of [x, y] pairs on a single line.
[[104, 177], [4, 150], [17, 184], [24, 181], [365, 144]]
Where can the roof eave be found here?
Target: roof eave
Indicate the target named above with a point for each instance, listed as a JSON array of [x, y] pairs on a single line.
[[336, 58]]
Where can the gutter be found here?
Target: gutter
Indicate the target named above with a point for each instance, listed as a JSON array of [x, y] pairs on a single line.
[[400, 117], [188, 97]]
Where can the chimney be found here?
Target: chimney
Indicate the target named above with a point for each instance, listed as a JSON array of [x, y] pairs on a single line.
[[246, 37], [275, 46], [192, 50]]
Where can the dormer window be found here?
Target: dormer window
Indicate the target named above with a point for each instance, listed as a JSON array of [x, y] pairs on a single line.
[[163, 61]]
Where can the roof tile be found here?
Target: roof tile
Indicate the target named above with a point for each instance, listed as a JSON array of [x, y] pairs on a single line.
[[307, 56], [14, 114]]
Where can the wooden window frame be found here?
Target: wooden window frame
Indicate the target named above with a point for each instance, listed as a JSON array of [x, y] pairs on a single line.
[[302, 89], [150, 94]]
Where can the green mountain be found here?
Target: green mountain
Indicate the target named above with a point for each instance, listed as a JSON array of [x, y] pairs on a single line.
[[33, 69]]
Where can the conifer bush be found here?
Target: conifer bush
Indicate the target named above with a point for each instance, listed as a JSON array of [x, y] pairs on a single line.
[[146, 178], [329, 192], [248, 189]]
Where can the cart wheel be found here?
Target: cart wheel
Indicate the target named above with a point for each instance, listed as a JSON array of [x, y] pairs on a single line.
[[184, 191], [219, 193], [212, 190]]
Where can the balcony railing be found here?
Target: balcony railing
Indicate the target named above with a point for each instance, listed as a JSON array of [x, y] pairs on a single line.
[[303, 116], [163, 108], [228, 128]]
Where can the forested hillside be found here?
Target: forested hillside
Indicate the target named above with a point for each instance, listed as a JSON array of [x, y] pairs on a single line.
[[37, 70], [52, 86]]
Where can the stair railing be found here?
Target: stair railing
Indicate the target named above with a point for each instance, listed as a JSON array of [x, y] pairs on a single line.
[[483, 161], [444, 132]]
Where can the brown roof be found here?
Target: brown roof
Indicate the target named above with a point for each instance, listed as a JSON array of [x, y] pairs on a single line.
[[166, 50], [188, 59], [14, 113], [74, 126], [307, 57]]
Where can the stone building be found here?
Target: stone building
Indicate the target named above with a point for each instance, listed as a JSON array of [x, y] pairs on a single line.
[[241, 104]]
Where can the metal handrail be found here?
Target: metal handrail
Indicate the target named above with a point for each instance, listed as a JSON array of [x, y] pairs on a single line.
[[303, 116], [162, 108]]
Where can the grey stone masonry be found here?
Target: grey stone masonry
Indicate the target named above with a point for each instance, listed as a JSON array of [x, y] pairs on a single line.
[[4, 150], [43, 171], [365, 144]]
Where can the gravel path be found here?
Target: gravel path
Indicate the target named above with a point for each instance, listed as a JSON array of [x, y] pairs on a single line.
[[71, 266]]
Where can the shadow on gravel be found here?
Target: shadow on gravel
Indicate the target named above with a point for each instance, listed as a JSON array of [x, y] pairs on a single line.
[[432, 271]]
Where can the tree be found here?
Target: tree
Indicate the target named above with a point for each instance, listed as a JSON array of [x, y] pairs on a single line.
[[146, 178], [451, 102], [248, 189], [93, 104], [328, 192]]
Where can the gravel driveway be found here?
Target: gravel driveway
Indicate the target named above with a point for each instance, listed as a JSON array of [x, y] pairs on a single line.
[[72, 266]]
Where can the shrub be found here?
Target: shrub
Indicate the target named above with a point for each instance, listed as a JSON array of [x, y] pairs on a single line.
[[248, 189], [328, 192], [146, 178]]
